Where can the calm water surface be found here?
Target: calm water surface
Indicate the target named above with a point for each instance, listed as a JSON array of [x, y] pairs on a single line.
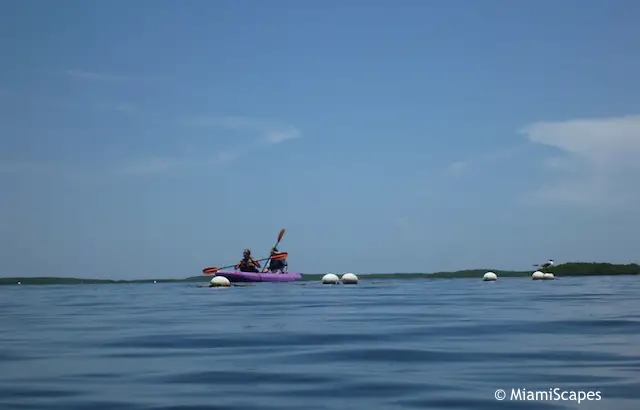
[[408, 344]]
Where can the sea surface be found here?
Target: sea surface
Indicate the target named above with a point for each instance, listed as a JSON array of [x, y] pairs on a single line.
[[402, 344]]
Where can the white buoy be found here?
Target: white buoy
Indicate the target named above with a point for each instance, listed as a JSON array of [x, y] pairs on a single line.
[[537, 275], [19, 283], [490, 276], [349, 279], [548, 276], [155, 281], [330, 279], [220, 281]]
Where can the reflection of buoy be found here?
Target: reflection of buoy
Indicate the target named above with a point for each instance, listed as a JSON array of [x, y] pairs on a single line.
[[537, 275], [490, 276], [349, 279], [548, 276], [220, 281], [330, 279]]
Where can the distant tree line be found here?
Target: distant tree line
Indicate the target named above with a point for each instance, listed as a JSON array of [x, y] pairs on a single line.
[[565, 269], [594, 268]]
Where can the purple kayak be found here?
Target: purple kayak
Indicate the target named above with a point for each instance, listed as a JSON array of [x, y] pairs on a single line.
[[236, 276]]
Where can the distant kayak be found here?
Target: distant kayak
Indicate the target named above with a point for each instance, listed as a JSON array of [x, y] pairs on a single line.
[[235, 276]]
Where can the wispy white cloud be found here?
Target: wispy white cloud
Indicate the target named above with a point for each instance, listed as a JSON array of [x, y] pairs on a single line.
[[456, 167], [168, 165], [255, 133], [98, 76], [126, 108], [266, 131], [283, 134], [229, 156], [460, 167], [597, 163]]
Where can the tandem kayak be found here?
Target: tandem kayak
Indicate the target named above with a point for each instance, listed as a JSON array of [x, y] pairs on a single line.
[[236, 276]]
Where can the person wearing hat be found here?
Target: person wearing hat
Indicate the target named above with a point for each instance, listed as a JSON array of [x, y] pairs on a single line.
[[278, 265], [248, 264]]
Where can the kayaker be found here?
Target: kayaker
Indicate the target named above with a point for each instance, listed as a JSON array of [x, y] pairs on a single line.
[[278, 265], [248, 264]]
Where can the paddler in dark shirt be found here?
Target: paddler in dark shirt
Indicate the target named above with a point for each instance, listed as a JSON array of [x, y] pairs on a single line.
[[248, 264], [278, 265]]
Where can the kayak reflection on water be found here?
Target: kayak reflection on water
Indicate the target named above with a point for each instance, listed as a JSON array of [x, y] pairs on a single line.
[[277, 265], [247, 263]]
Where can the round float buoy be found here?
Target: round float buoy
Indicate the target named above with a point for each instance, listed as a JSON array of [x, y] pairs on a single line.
[[349, 279], [155, 281], [330, 279], [490, 276], [19, 283], [548, 276], [220, 281], [537, 275]]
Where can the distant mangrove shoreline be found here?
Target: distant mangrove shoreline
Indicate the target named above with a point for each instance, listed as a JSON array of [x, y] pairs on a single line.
[[566, 269]]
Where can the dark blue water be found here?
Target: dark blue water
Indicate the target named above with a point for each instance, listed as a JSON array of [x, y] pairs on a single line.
[[411, 344]]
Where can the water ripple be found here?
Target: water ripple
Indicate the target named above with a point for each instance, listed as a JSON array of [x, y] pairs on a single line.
[[436, 344]]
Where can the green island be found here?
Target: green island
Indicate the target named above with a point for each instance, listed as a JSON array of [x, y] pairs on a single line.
[[566, 269]]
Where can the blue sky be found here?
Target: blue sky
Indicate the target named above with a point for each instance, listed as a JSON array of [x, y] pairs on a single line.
[[155, 138]]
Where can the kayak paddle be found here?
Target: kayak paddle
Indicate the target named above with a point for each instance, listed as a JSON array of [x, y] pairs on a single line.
[[280, 235], [209, 271]]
